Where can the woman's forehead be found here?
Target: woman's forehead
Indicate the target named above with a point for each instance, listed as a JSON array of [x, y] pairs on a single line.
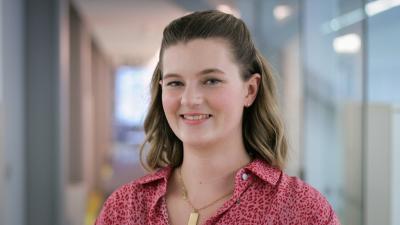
[[198, 55]]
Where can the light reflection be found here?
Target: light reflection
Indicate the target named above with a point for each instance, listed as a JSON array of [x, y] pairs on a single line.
[[375, 7], [281, 12], [349, 43], [350, 18], [343, 21]]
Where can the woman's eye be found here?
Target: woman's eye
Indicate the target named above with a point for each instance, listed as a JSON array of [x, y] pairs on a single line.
[[212, 81], [174, 83]]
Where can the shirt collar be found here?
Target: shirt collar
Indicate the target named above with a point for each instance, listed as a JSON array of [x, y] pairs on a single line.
[[258, 167], [264, 171], [160, 174]]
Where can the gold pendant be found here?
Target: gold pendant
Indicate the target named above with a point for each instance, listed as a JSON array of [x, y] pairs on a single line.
[[194, 216]]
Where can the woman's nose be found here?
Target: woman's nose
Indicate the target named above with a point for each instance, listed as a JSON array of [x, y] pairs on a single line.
[[191, 96]]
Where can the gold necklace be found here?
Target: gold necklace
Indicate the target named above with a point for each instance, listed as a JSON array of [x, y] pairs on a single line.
[[194, 215]]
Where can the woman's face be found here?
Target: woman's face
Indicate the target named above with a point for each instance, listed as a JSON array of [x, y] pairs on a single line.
[[203, 95]]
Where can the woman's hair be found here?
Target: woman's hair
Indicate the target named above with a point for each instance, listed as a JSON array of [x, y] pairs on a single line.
[[262, 129]]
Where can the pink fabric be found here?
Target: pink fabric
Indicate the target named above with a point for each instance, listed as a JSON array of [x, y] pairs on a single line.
[[268, 196]]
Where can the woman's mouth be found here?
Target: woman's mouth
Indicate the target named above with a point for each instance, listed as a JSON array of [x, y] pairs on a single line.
[[194, 119]]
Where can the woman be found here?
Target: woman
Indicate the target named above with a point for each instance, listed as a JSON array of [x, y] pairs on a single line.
[[215, 137]]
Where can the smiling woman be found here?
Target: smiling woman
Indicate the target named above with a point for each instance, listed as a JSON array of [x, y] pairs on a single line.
[[209, 93], [215, 135]]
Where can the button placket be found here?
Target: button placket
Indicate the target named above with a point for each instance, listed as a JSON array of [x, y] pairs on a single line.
[[242, 183], [245, 185]]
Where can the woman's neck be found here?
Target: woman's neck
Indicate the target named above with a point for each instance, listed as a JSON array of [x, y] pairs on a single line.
[[212, 168]]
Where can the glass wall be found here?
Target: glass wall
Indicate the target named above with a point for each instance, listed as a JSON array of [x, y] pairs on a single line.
[[383, 113], [333, 94], [337, 66]]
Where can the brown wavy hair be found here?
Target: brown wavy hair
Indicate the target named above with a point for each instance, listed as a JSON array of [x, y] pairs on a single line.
[[262, 129]]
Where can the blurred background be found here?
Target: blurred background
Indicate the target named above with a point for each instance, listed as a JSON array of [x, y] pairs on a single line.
[[74, 79]]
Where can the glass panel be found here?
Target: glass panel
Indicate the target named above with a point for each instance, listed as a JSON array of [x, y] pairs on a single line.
[[383, 56], [332, 103], [383, 130], [275, 26]]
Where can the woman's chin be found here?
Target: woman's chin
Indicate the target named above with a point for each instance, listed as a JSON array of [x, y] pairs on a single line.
[[197, 142]]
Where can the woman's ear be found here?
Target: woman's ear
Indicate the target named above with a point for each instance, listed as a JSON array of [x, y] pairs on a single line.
[[252, 86], [161, 82]]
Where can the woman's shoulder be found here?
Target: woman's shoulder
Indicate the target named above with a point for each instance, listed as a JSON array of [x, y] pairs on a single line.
[[297, 186], [305, 201], [293, 199], [300, 190], [140, 187]]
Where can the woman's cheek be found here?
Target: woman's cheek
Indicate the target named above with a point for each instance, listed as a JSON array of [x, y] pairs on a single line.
[[223, 99], [170, 103]]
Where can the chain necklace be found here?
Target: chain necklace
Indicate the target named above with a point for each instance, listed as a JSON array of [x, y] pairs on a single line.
[[194, 215]]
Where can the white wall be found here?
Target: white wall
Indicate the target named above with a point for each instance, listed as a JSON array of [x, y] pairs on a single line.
[[292, 99], [396, 167], [382, 198], [351, 197]]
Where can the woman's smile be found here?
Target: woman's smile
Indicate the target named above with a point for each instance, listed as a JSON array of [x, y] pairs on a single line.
[[195, 118]]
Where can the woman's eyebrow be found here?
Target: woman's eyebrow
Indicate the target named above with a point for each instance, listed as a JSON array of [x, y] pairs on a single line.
[[210, 70], [203, 72], [170, 75]]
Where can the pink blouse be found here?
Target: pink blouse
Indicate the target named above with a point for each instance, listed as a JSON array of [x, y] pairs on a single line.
[[262, 195]]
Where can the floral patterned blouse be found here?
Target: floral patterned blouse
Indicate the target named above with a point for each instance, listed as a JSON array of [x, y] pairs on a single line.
[[262, 195]]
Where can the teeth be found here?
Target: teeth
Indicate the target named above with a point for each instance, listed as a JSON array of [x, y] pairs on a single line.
[[196, 117]]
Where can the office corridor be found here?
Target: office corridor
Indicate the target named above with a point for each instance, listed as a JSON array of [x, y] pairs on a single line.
[[74, 90]]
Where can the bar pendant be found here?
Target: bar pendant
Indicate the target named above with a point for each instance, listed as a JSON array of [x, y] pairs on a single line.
[[194, 216]]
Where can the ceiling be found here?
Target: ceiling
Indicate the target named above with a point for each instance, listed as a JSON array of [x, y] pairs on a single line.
[[130, 31]]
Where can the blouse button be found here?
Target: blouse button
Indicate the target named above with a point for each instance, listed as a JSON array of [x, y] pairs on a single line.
[[245, 176]]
